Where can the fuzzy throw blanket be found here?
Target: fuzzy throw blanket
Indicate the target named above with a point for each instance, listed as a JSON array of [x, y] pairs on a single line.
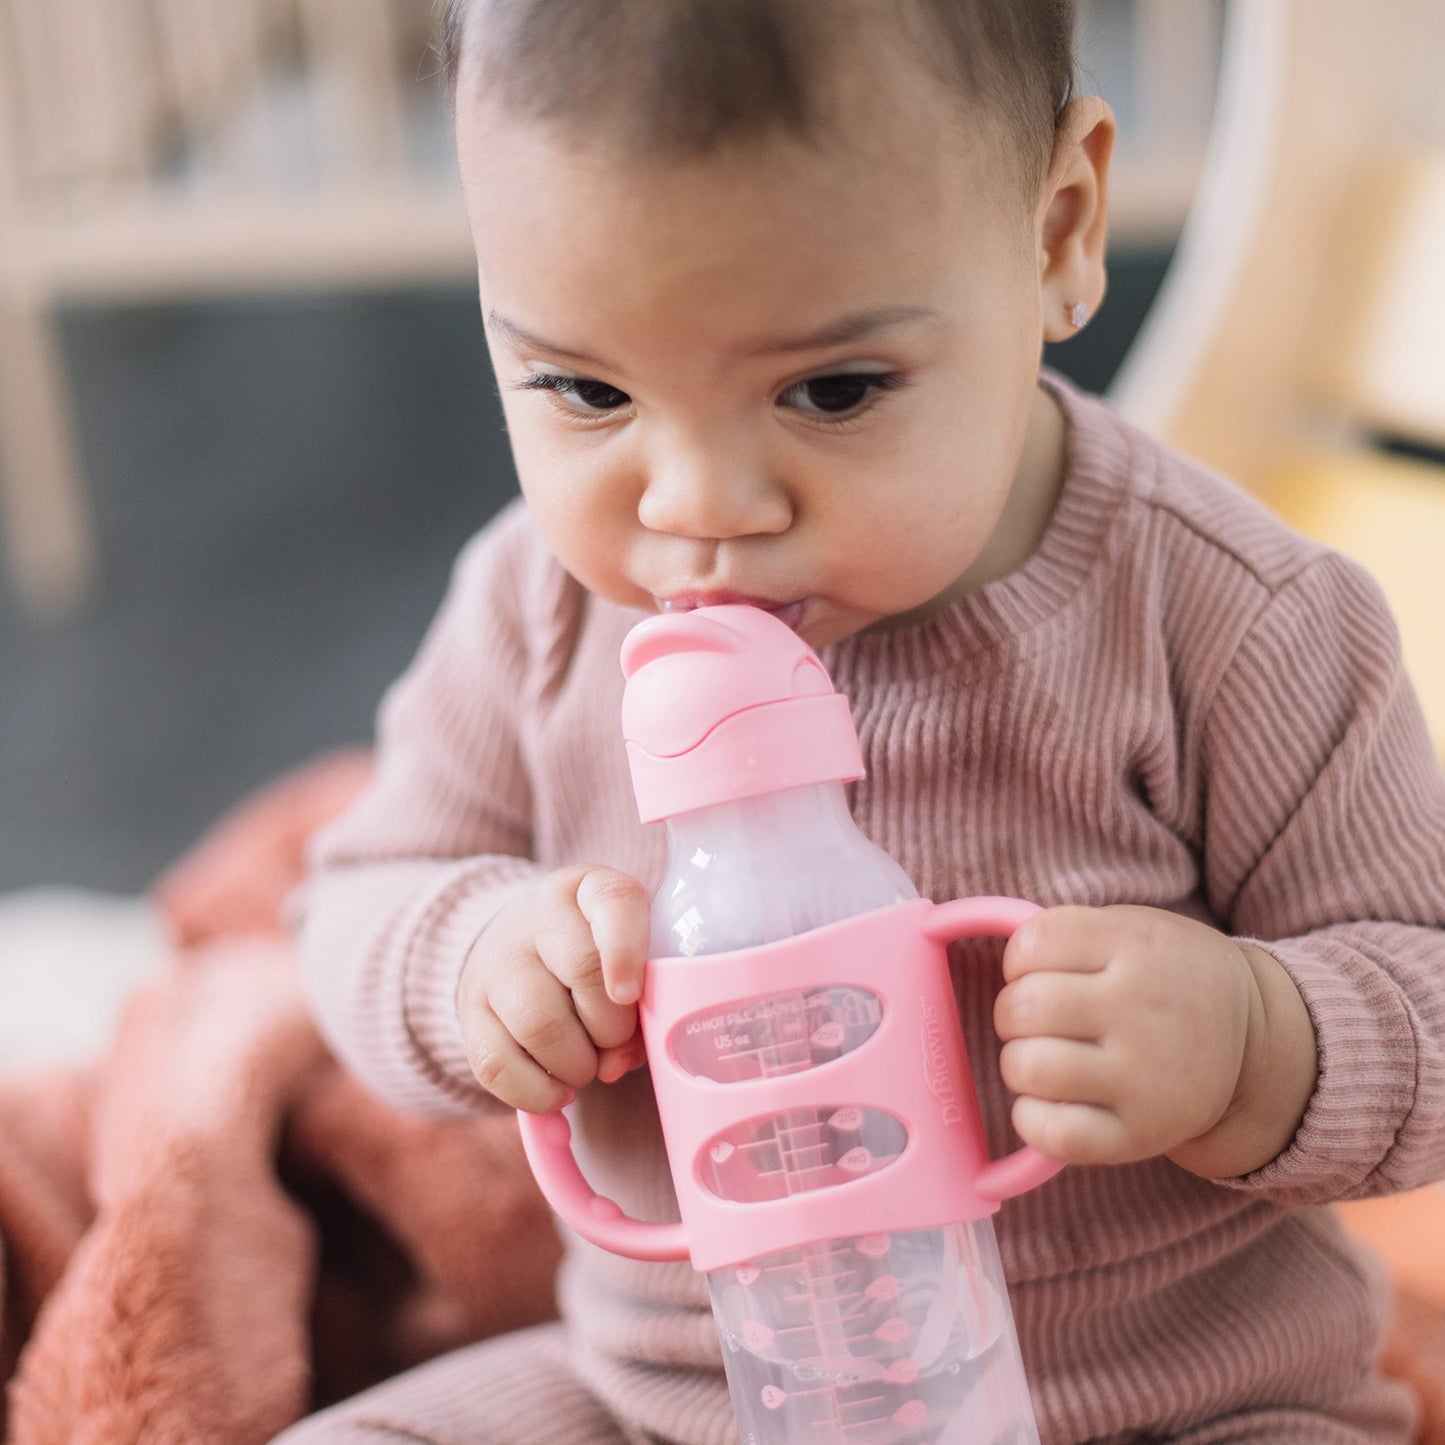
[[214, 1230]]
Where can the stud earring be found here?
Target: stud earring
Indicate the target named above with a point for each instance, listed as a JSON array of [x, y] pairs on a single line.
[[1078, 315]]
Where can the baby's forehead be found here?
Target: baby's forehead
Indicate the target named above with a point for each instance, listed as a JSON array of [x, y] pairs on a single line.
[[880, 182], [632, 265]]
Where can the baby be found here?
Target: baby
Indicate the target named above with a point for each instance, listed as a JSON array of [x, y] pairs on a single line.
[[766, 285]]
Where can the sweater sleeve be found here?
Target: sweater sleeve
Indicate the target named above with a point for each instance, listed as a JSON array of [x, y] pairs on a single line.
[[403, 883], [1325, 844]]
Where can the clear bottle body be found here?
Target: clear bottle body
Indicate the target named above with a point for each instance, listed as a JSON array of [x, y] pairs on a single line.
[[885, 1339]]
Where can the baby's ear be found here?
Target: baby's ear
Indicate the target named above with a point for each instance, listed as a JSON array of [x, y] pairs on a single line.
[[1072, 218]]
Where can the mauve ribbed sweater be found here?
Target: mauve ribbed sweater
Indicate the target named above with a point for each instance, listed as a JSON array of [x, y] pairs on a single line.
[[1175, 702]]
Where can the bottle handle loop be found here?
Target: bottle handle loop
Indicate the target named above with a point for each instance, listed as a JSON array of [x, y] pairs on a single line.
[[547, 1140], [981, 917]]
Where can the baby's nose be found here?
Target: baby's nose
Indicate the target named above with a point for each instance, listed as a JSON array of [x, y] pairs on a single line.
[[714, 500]]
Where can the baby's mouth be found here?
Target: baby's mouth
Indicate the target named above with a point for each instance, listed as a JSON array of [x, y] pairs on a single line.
[[790, 613]]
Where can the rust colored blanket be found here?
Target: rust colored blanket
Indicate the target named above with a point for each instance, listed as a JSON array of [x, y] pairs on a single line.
[[214, 1229]]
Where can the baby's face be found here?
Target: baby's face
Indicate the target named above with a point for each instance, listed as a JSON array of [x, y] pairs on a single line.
[[795, 376]]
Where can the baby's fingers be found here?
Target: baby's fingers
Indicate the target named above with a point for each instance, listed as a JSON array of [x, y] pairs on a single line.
[[1060, 1070], [505, 1069], [616, 909], [1062, 940], [537, 1011], [612, 1064], [1075, 1133]]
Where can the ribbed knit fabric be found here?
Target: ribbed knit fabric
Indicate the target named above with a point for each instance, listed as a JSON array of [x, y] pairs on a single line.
[[1176, 702]]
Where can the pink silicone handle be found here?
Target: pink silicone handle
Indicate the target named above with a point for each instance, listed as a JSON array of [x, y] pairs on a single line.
[[547, 1139], [1020, 1171]]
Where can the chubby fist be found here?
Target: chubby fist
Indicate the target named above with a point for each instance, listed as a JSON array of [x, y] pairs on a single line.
[[1131, 1032], [548, 995]]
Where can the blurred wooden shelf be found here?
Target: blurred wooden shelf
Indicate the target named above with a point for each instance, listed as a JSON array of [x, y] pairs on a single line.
[[164, 149], [173, 247]]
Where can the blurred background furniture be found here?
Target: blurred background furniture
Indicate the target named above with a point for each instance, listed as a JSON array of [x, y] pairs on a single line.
[[155, 150], [1376, 489], [1298, 341]]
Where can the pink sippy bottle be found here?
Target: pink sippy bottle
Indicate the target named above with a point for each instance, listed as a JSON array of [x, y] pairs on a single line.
[[824, 1139]]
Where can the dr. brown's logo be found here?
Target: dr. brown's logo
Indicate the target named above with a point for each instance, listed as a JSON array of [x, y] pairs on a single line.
[[936, 1072]]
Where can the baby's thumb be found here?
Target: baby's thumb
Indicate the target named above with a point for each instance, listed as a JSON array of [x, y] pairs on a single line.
[[617, 908]]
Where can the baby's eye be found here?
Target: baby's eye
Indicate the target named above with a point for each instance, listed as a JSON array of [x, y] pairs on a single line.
[[842, 395], [578, 393]]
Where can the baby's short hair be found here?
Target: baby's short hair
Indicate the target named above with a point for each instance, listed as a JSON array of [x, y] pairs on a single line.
[[682, 76]]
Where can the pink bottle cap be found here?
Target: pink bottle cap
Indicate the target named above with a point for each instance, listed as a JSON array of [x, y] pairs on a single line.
[[724, 703]]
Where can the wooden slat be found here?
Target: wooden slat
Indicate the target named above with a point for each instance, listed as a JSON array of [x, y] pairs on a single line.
[[42, 129], [354, 49], [10, 128], [214, 53], [47, 533], [1175, 67]]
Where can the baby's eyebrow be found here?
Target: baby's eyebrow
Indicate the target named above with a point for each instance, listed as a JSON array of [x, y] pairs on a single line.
[[847, 328], [525, 340], [835, 333]]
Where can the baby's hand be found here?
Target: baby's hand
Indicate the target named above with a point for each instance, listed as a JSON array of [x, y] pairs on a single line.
[[547, 998], [1133, 1032]]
